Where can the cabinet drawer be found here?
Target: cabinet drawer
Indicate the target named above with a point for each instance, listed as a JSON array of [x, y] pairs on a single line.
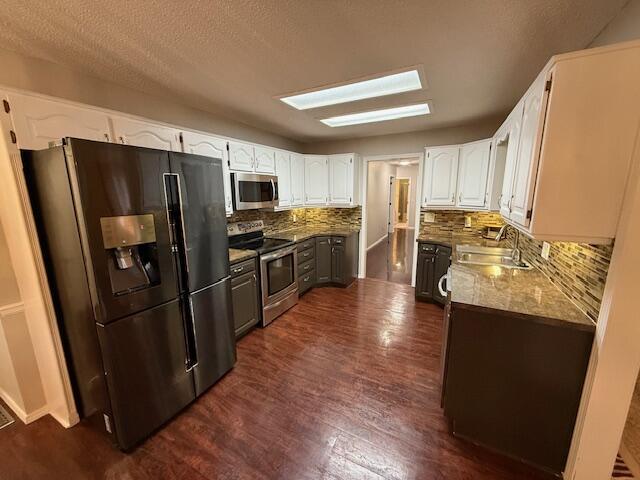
[[305, 282], [305, 267], [426, 248], [241, 268], [306, 244], [306, 255]]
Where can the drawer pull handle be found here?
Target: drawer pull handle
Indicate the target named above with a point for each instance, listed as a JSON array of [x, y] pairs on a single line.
[[238, 270]]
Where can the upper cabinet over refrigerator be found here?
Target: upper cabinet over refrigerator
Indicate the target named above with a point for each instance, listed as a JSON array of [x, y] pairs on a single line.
[[578, 127]]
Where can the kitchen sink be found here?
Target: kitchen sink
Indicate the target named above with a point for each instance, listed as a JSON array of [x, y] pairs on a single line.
[[503, 257]]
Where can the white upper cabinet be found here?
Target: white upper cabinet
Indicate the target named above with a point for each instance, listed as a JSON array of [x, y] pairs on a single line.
[[341, 179], [526, 166], [507, 146], [316, 179], [473, 173], [38, 121], [297, 180], [440, 176], [578, 141], [241, 157], [143, 134], [283, 171], [216, 148], [265, 160]]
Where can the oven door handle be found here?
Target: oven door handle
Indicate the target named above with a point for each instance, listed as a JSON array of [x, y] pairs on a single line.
[[283, 252]]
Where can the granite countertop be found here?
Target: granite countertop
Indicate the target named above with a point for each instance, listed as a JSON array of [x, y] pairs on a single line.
[[300, 234], [524, 292], [236, 255]]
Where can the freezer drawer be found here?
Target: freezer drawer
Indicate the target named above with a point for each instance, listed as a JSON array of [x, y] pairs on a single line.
[[214, 333], [144, 360]]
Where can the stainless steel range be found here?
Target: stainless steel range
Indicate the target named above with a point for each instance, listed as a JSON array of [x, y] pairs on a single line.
[[278, 267]]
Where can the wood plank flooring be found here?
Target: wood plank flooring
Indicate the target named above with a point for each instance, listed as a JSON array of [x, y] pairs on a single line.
[[392, 260], [343, 386]]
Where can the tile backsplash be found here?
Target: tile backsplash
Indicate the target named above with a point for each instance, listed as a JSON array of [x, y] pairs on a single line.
[[304, 217], [578, 270], [451, 222]]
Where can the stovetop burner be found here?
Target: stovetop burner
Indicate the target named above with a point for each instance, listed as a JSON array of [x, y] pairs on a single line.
[[257, 241]]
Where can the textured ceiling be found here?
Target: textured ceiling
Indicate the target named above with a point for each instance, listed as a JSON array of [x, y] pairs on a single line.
[[233, 57]]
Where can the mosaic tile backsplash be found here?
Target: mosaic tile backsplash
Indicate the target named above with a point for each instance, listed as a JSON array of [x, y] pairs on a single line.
[[304, 217], [578, 270], [451, 222]]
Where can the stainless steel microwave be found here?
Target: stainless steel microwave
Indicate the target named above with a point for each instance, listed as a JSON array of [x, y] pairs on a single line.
[[254, 191]]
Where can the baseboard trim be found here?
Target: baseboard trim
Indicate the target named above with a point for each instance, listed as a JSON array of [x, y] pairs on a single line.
[[23, 416], [377, 242]]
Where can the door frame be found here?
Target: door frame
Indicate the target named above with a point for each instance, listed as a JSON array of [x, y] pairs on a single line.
[[408, 179], [364, 177], [391, 209]]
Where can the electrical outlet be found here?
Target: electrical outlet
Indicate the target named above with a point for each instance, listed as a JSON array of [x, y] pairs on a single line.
[[467, 221], [295, 218], [545, 250], [429, 217]]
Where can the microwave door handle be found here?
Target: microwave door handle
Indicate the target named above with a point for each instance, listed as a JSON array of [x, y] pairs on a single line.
[[273, 189]]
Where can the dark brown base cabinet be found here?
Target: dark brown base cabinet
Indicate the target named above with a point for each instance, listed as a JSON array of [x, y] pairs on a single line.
[[433, 262], [336, 260], [245, 295], [513, 382]]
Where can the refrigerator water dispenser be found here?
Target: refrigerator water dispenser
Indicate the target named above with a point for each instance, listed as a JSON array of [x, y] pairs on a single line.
[[130, 242]]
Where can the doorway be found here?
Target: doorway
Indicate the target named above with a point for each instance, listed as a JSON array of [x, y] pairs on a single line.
[[390, 219]]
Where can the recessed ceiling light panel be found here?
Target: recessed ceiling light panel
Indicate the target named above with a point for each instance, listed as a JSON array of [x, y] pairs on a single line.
[[376, 87], [378, 115]]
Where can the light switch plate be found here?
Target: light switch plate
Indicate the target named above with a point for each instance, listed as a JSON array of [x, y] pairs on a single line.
[[429, 217], [467, 221], [545, 250], [295, 217]]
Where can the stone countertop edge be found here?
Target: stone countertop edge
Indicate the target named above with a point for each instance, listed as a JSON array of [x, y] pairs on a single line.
[[237, 255]]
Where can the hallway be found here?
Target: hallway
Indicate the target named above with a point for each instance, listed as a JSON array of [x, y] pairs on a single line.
[[392, 260]]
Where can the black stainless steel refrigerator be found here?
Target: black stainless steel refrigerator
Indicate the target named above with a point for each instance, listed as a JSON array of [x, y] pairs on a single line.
[[135, 244]]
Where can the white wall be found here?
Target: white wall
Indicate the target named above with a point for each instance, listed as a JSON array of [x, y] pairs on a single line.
[[625, 26], [410, 172], [378, 200]]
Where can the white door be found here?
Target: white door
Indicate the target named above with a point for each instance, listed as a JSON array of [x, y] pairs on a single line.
[[283, 171], [265, 160], [297, 180], [216, 148], [241, 157], [143, 134], [473, 174], [440, 176], [515, 127], [341, 180], [524, 179], [38, 121], [316, 179]]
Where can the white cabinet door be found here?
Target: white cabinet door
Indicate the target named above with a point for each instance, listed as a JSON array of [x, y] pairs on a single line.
[[38, 121], [515, 127], [283, 171], [440, 176], [297, 180], [341, 179], [241, 157], [216, 148], [265, 160], [143, 134], [524, 179], [316, 179], [473, 174]]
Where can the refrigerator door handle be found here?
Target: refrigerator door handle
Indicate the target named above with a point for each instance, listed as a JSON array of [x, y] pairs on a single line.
[[184, 231], [170, 220], [192, 360]]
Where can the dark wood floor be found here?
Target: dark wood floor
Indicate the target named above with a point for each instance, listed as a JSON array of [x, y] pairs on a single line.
[[343, 386], [392, 260]]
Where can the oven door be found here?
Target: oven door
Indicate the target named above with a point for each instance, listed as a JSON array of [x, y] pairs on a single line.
[[254, 191], [278, 274]]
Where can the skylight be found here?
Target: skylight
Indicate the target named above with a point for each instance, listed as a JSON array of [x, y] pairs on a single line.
[[376, 87], [378, 115]]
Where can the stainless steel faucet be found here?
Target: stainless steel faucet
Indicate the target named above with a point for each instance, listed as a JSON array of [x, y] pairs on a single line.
[[516, 251], [501, 232]]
